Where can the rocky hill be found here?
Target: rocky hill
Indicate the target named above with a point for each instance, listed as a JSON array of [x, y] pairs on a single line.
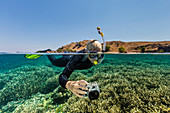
[[163, 46]]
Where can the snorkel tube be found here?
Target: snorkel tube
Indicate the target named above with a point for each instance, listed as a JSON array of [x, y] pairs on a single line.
[[104, 43], [104, 46], [101, 33]]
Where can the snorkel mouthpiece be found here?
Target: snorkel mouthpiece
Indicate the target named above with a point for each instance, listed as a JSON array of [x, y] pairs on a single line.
[[95, 62]]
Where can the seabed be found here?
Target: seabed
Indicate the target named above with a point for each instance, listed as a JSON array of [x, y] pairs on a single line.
[[133, 83]]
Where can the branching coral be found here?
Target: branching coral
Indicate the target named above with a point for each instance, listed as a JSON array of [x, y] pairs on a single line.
[[25, 83], [131, 89], [128, 83]]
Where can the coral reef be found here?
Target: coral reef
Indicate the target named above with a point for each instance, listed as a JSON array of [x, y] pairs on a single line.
[[128, 83], [24, 81], [128, 92], [44, 103]]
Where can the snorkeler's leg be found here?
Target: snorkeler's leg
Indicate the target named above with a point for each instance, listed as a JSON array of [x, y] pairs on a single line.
[[60, 62]]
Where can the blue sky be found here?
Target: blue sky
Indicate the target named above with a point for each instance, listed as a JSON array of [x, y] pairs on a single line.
[[31, 25]]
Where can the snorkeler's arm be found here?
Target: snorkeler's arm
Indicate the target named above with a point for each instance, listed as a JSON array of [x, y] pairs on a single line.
[[63, 78]]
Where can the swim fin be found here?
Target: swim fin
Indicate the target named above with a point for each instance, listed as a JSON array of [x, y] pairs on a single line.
[[32, 56], [35, 56]]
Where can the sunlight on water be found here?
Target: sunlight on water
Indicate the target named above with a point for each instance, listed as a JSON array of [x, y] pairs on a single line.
[[127, 82]]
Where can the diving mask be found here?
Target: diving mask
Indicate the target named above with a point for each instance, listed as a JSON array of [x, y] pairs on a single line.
[[94, 56]]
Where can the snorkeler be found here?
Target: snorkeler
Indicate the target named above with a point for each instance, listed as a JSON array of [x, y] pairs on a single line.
[[78, 62]]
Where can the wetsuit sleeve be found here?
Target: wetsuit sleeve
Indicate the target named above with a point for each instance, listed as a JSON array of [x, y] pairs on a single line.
[[69, 68]]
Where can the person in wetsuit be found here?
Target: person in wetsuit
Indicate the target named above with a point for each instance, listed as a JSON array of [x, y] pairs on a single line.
[[78, 62]]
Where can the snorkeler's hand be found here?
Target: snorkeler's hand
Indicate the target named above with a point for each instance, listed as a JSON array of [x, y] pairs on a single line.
[[77, 87]]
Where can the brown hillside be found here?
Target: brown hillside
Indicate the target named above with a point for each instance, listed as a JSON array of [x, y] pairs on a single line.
[[129, 46]]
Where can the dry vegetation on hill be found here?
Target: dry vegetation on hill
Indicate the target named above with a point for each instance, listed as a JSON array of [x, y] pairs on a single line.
[[161, 46]]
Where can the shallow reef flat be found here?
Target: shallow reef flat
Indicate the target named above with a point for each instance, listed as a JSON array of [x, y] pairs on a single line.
[[128, 83]]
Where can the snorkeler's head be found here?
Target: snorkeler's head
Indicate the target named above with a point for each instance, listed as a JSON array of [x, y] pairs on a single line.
[[94, 45]]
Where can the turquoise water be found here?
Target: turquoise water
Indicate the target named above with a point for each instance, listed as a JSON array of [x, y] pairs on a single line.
[[128, 83]]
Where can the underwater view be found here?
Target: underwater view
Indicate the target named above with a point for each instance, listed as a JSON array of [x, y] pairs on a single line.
[[128, 83]]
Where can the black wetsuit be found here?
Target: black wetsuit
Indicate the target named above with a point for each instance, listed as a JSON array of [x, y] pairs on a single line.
[[71, 63]]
